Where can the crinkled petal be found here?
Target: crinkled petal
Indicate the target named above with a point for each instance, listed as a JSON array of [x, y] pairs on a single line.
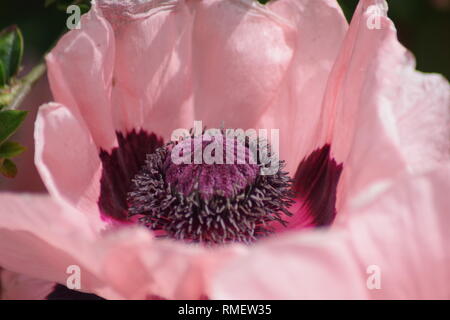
[[80, 71], [179, 61], [152, 65], [402, 237], [233, 62], [67, 159], [388, 118], [141, 267], [241, 52], [295, 108], [41, 238]]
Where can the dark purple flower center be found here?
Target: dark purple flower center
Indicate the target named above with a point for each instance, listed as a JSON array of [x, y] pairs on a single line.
[[212, 203], [226, 179], [217, 202]]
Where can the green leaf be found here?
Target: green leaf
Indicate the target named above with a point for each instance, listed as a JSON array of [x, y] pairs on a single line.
[[8, 169], [11, 51], [10, 120], [11, 149]]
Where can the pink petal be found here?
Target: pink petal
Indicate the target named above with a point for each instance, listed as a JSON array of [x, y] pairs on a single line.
[[152, 65], [40, 238], [164, 64], [80, 73], [240, 54], [177, 61], [14, 286], [403, 234], [67, 158], [388, 117], [139, 267], [295, 109]]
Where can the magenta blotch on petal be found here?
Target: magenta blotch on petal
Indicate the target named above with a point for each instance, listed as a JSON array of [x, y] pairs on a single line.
[[315, 184]]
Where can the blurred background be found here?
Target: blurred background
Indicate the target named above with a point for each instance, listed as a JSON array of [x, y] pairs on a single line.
[[423, 27]]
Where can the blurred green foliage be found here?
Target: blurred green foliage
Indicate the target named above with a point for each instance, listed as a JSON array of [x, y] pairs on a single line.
[[423, 26], [11, 52]]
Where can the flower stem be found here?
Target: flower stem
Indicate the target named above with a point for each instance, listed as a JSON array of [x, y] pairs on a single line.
[[26, 84]]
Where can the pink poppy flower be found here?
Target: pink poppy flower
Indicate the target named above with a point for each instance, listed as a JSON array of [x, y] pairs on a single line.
[[364, 136]]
